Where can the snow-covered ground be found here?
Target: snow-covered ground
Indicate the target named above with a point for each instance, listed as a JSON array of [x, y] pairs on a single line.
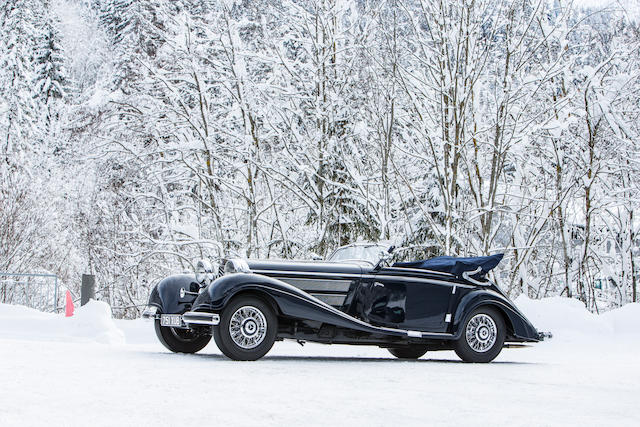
[[91, 370]]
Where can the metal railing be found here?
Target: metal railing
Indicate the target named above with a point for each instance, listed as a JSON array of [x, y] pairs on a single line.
[[31, 293]]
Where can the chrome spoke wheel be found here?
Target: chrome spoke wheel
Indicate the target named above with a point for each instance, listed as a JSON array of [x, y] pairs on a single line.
[[481, 333], [248, 327]]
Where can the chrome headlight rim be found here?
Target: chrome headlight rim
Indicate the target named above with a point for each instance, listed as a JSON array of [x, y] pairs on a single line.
[[200, 276]]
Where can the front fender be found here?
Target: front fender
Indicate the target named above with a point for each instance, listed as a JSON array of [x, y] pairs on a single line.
[[521, 328], [166, 294], [290, 300]]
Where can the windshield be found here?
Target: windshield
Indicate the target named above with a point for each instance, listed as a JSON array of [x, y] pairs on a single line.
[[370, 253]]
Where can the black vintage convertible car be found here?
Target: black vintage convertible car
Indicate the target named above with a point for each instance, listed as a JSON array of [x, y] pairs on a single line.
[[357, 296]]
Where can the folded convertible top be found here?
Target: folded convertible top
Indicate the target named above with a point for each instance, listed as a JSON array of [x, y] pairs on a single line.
[[454, 265]]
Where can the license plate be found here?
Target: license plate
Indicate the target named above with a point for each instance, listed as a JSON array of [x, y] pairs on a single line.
[[173, 320]]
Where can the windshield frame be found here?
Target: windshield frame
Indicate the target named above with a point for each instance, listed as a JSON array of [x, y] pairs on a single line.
[[383, 247]]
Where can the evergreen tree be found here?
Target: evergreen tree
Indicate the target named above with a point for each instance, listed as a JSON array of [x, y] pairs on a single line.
[[136, 29], [52, 80], [17, 109]]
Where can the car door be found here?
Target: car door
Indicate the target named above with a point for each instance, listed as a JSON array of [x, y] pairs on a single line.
[[424, 301]]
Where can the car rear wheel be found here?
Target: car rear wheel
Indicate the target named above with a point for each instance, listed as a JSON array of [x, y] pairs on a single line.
[[247, 329], [181, 340], [409, 352], [482, 337]]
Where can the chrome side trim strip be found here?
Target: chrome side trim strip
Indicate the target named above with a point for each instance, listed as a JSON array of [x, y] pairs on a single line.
[[358, 321], [363, 276], [330, 299], [307, 284], [420, 280], [290, 273], [419, 270]]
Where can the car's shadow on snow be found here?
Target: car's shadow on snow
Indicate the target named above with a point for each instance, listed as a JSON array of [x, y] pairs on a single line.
[[367, 359], [372, 359], [338, 359]]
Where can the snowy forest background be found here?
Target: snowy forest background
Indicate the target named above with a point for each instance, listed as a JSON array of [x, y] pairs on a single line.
[[137, 137]]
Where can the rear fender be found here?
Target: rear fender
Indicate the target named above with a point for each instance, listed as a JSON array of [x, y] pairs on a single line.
[[520, 327], [166, 294]]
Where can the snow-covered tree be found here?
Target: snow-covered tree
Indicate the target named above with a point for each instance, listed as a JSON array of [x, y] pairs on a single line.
[[18, 112], [52, 80], [172, 130]]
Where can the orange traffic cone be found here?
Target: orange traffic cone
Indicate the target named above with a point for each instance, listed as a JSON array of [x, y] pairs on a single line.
[[68, 307]]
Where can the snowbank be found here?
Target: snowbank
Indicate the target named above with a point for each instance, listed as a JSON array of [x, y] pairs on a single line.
[[624, 320], [567, 318], [564, 381], [91, 322]]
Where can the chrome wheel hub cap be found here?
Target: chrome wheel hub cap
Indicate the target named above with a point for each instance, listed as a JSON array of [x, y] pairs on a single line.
[[481, 333], [248, 327]]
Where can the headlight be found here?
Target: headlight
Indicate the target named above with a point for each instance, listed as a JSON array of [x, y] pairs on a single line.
[[204, 272], [200, 276], [236, 265]]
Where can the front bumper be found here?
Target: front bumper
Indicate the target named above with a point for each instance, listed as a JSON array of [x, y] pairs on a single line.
[[150, 313], [189, 318], [543, 335], [200, 318]]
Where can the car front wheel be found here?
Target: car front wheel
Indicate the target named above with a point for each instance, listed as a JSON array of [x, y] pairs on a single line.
[[247, 329], [482, 337], [181, 340]]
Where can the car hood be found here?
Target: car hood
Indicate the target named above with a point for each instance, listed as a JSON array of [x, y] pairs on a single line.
[[258, 266]]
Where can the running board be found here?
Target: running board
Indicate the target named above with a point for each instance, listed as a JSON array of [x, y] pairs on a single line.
[[213, 319]]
